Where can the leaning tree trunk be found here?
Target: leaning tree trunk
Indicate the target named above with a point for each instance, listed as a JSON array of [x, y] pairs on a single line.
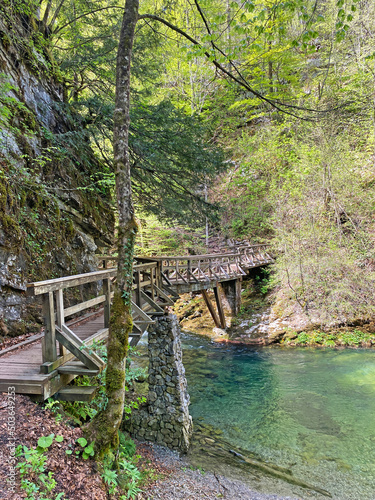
[[104, 428]]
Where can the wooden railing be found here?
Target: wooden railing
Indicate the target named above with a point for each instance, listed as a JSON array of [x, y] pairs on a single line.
[[187, 269], [155, 279], [254, 255], [147, 295], [198, 268]]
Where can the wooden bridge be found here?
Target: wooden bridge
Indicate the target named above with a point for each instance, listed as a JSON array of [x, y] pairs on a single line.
[[45, 364]]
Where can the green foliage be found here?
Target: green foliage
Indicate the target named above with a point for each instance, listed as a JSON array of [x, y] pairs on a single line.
[[263, 281], [352, 338], [122, 476], [36, 482], [356, 338], [86, 450], [157, 238], [45, 442], [303, 338], [81, 412]]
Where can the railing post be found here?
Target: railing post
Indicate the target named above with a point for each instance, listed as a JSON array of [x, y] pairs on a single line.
[[60, 318], [107, 303], [138, 289], [152, 271], [159, 269], [49, 352], [188, 269]]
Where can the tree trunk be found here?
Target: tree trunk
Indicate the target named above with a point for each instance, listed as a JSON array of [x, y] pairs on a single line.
[[104, 428]]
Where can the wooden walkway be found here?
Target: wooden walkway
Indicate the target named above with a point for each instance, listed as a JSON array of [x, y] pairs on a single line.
[[45, 365], [20, 366]]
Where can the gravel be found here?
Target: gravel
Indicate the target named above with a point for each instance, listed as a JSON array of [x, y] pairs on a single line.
[[193, 484]]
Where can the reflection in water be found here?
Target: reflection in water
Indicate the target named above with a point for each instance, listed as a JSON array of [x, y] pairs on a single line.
[[309, 410]]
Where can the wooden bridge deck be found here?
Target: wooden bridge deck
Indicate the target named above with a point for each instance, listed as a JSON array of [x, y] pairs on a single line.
[[47, 365], [20, 366]]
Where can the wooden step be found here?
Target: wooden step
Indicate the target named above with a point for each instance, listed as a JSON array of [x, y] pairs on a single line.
[[77, 393], [77, 368]]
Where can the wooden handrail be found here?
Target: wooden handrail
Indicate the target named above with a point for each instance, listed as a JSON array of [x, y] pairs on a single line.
[[189, 257], [41, 287]]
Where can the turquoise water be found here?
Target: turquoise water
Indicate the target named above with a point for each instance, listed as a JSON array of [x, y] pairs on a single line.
[[310, 410]]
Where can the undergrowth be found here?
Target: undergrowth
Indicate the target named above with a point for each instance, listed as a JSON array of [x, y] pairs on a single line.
[[120, 473], [346, 338]]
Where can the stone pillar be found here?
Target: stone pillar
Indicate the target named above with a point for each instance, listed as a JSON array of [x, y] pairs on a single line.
[[165, 417], [232, 295]]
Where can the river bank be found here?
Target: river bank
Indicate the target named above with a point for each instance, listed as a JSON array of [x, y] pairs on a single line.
[[187, 482], [169, 475], [258, 323]]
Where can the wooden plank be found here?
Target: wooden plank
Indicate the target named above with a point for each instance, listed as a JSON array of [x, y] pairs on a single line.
[[22, 344], [107, 304], [97, 336], [166, 279], [141, 325], [21, 388], [49, 367], [60, 317], [171, 291], [69, 340], [145, 266], [137, 311], [26, 377], [163, 296], [68, 333], [211, 308], [137, 289], [41, 287], [189, 257], [183, 279], [49, 352], [224, 272], [206, 278], [77, 393], [55, 384], [136, 330], [77, 369], [153, 304], [69, 311], [220, 307]]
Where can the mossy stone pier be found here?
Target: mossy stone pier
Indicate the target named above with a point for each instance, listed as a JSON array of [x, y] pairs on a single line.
[[165, 417]]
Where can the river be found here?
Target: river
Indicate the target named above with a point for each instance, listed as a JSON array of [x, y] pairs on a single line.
[[309, 410]]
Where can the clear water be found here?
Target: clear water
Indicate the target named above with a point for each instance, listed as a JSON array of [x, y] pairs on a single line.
[[310, 410]]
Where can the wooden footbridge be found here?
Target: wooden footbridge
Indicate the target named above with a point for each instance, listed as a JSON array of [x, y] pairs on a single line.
[[44, 365]]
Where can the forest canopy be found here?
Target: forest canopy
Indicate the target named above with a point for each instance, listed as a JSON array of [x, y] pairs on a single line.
[[265, 106]]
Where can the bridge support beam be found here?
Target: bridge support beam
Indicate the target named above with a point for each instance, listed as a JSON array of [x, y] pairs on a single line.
[[232, 294], [211, 308]]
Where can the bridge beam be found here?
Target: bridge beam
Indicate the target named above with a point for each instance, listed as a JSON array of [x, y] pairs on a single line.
[[211, 308], [220, 308], [232, 294]]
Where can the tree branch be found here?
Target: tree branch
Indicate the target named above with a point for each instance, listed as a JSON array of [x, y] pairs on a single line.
[[240, 81]]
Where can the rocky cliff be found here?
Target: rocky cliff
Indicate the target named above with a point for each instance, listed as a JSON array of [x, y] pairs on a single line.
[[53, 216]]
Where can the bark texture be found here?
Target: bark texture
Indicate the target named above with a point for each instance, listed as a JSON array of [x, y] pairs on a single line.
[[104, 428]]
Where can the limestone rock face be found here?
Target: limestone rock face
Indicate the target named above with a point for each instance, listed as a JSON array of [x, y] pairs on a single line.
[[50, 225], [165, 417]]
